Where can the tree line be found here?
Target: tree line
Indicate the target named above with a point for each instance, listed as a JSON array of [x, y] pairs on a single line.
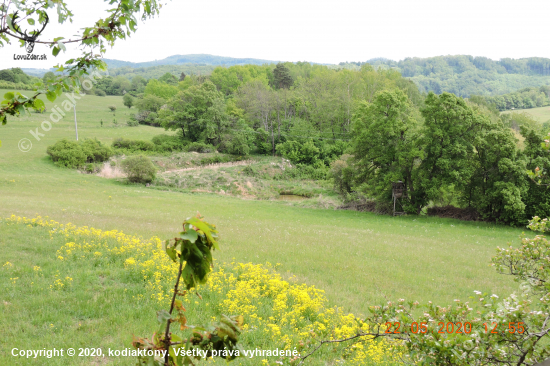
[[466, 75], [449, 147], [267, 108], [16, 78], [521, 99]]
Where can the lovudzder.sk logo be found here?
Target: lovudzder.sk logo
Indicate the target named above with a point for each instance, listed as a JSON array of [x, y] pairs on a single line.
[[29, 39]]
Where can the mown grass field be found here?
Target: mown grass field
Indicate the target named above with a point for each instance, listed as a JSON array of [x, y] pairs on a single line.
[[358, 259], [541, 114]]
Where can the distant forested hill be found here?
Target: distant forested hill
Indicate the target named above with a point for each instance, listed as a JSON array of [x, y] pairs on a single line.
[[201, 60], [462, 75], [155, 72], [467, 75]]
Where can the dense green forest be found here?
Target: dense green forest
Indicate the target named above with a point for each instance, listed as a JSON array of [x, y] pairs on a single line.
[[465, 75], [524, 98], [462, 75]]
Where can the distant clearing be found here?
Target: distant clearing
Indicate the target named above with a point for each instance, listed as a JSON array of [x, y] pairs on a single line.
[[541, 114]]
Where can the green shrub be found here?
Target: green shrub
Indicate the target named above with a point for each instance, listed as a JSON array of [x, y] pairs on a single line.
[[132, 123], [128, 100], [100, 93], [149, 103], [200, 147], [146, 118], [299, 153], [221, 159], [95, 151], [342, 174], [303, 171], [263, 142], [72, 154], [168, 143], [67, 154], [112, 108], [239, 145], [133, 145], [139, 169], [250, 171]]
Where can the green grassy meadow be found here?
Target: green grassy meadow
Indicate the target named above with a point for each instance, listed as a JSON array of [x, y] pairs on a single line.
[[357, 258], [541, 114]]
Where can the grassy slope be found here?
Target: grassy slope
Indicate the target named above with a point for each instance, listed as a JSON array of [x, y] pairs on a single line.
[[99, 309], [356, 257], [541, 114]]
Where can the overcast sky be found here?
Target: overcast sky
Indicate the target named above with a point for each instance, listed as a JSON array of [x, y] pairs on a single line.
[[324, 31]]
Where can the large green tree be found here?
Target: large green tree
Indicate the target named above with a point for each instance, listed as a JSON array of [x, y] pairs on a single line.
[[537, 158], [450, 128], [228, 80], [386, 145], [198, 112], [281, 77], [160, 89], [498, 186]]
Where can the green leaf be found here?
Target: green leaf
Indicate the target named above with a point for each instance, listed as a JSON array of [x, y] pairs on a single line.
[[10, 23], [171, 253], [51, 96], [55, 51], [38, 104], [188, 277], [205, 228], [61, 46], [176, 359], [9, 96], [190, 235], [163, 316], [30, 21], [175, 338]]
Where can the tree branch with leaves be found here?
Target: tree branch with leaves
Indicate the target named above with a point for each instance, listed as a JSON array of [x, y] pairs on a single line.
[[121, 22]]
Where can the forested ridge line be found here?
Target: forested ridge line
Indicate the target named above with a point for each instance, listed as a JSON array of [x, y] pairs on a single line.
[[462, 75]]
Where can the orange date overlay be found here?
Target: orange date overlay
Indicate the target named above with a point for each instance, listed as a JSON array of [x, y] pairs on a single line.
[[458, 328]]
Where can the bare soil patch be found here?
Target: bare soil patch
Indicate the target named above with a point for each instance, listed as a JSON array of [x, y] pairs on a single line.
[[108, 171]]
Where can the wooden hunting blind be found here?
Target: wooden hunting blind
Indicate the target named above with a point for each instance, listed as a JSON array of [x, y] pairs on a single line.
[[398, 192]]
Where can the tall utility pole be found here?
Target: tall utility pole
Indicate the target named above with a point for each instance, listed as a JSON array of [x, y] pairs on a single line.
[[75, 125]]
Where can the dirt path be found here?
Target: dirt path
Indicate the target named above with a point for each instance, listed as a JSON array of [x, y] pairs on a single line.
[[211, 166]]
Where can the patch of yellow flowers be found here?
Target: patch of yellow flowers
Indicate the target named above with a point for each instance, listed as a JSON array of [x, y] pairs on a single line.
[[278, 313]]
